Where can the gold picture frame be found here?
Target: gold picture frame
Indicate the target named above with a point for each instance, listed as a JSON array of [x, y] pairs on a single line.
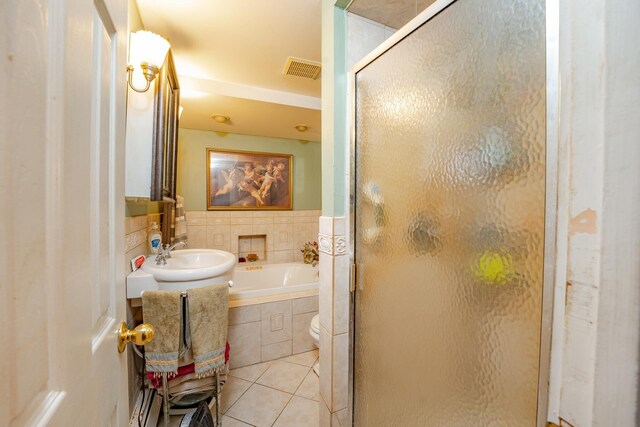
[[249, 180]]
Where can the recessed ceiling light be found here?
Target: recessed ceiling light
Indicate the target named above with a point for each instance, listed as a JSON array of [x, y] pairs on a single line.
[[301, 128], [220, 118]]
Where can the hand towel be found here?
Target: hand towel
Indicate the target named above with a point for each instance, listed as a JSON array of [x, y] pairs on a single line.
[[208, 311], [162, 310], [189, 368]]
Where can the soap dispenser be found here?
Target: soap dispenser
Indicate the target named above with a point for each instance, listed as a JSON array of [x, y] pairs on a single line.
[[155, 238]]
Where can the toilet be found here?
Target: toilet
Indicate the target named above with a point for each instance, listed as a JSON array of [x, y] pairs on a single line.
[[314, 331]]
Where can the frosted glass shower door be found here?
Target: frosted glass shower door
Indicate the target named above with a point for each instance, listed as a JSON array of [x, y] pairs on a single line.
[[449, 220]]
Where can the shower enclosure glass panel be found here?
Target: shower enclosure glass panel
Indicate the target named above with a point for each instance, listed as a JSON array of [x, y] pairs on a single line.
[[449, 220]]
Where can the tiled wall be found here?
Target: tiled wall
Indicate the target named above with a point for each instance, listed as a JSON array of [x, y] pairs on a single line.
[[285, 232], [135, 238], [268, 331], [334, 306]]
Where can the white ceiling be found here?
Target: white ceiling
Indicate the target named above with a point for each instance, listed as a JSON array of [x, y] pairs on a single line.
[[230, 56]]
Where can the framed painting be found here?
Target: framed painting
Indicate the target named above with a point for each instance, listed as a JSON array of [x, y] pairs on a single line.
[[238, 180]]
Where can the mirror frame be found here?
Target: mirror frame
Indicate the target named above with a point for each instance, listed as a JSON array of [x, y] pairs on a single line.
[[165, 133]]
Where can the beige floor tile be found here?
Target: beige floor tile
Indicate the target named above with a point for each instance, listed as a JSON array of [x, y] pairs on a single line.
[[310, 387], [259, 406], [251, 372], [284, 376], [233, 389], [232, 422], [305, 359], [300, 412]]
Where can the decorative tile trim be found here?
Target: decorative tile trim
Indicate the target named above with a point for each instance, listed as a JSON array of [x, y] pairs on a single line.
[[340, 245], [325, 244], [332, 245]]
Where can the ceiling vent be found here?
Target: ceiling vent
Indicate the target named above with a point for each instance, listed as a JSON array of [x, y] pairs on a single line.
[[302, 68]]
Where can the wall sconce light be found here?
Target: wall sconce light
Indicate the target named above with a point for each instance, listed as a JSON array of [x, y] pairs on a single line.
[[149, 50]]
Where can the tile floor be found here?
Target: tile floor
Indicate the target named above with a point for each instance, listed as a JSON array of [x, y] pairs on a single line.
[[280, 393]]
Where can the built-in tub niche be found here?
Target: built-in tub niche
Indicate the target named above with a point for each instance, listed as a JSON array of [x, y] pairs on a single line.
[[253, 244]]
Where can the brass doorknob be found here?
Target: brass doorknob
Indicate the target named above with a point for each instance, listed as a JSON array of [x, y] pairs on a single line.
[[140, 335]]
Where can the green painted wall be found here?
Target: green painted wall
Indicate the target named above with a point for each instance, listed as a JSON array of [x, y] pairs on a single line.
[[192, 149], [334, 109]]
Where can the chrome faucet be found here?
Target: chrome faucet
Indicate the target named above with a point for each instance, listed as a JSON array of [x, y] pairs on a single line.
[[165, 252]]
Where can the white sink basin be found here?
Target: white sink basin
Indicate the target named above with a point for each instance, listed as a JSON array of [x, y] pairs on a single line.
[[190, 264], [186, 269]]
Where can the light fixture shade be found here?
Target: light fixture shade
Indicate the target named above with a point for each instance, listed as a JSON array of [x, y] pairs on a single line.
[[220, 118], [147, 47]]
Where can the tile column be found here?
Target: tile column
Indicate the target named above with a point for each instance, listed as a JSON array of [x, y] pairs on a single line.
[[334, 322]]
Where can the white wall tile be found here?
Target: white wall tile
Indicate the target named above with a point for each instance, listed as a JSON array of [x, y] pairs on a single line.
[[302, 340], [272, 312], [245, 314], [282, 220], [325, 415], [244, 340], [282, 234], [265, 214], [326, 291], [326, 376], [264, 230], [276, 350], [282, 237], [239, 230], [128, 221], [141, 249], [195, 218], [240, 220], [259, 220], [343, 417], [197, 236], [244, 244], [217, 214], [339, 226], [303, 233], [217, 221], [305, 305], [135, 239], [341, 295], [219, 237], [340, 372], [280, 256], [240, 214]]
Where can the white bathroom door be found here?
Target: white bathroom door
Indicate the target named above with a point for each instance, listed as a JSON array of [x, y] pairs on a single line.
[[62, 118]]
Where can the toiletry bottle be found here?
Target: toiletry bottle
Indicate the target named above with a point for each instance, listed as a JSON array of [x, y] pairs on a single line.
[[155, 238]]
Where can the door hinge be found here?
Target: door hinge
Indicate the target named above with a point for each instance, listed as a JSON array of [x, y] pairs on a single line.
[[353, 277]]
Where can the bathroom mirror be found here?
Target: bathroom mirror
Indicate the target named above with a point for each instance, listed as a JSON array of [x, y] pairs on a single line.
[[165, 133]]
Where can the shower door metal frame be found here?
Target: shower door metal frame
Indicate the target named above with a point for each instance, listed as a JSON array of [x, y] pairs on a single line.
[[552, 48]]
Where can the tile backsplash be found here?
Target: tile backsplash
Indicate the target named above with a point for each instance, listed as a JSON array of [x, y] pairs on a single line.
[[135, 236], [285, 232]]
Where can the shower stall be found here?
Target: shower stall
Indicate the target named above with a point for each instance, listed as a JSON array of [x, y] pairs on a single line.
[[453, 206]]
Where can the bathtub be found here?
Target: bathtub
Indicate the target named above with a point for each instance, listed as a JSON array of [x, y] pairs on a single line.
[[270, 310], [251, 281]]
